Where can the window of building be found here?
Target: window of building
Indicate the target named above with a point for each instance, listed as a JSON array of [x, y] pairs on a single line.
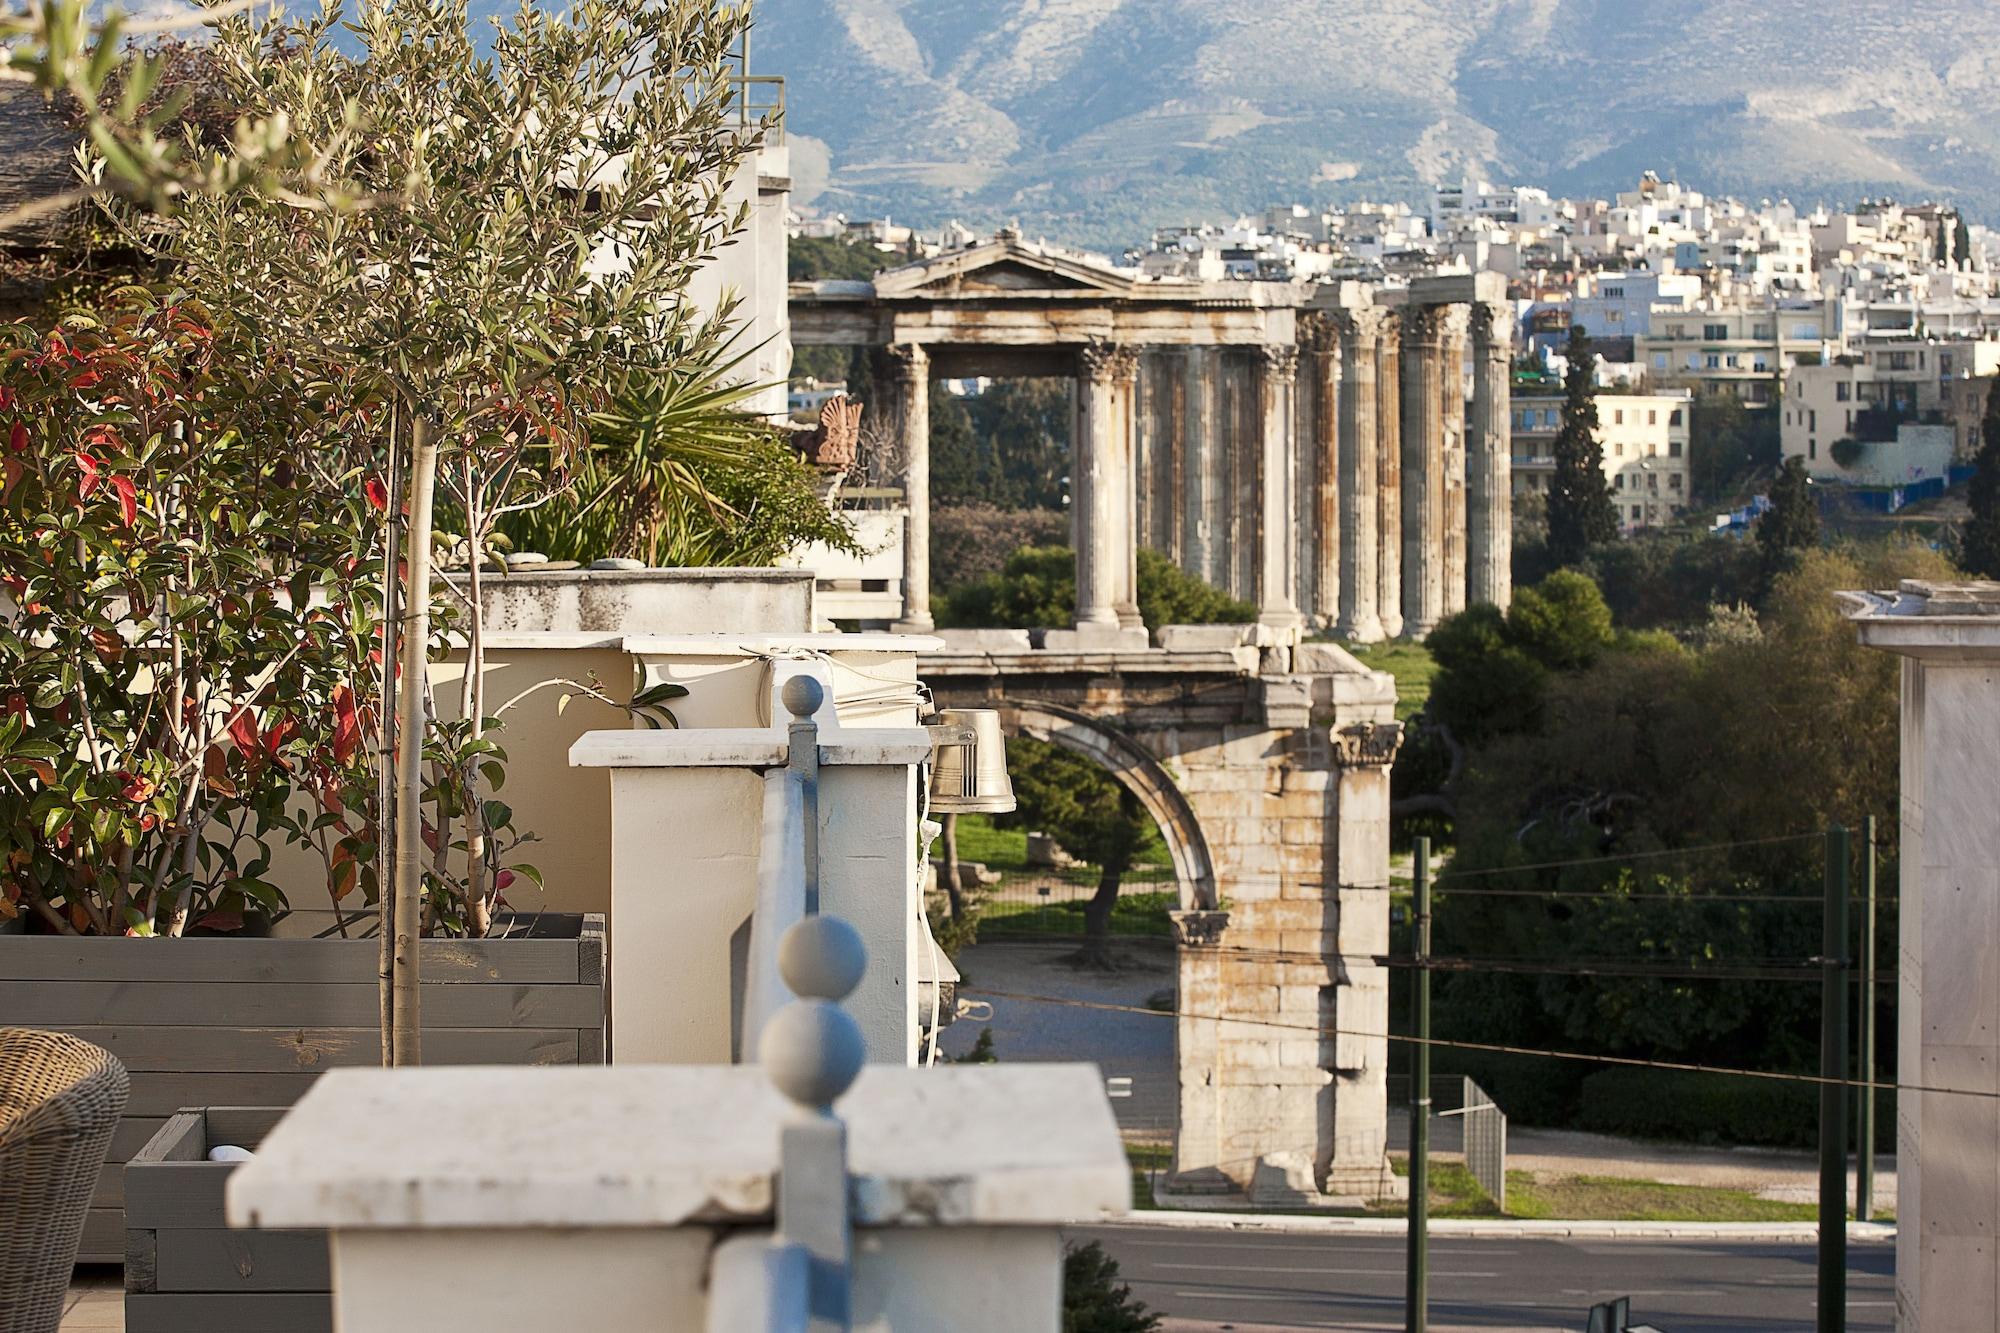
[[1715, 332], [1659, 360], [1619, 481], [1763, 331], [1813, 419], [1617, 416], [1614, 293], [1674, 417], [1843, 392], [1673, 448], [1636, 512], [1618, 449], [1652, 481], [1713, 362], [1674, 481], [1732, 360], [1812, 448], [1652, 417]]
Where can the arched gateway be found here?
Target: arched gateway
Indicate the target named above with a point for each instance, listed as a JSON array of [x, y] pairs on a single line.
[[1266, 764]]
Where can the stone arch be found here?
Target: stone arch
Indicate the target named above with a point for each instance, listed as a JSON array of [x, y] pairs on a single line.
[[1139, 772]]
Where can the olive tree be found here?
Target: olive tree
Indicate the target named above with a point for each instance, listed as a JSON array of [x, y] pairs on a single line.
[[486, 247]]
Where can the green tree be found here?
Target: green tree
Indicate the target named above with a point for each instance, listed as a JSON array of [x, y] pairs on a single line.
[[1728, 444], [1580, 509], [1961, 242], [816, 258], [1090, 814], [1037, 590], [1791, 524], [1008, 446], [1980, 545], [1094, 1300]]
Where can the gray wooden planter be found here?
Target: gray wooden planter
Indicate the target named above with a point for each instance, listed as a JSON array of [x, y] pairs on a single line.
[[251, 1022], [185, 1270]]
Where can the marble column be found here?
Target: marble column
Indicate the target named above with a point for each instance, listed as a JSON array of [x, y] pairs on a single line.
[[1389, 473], [1099, 498], [1489, 463], [1277, 601], [1451, 406], [1319, 337], [909, 367], [1360, 331], [1125, 396], [1423, 469], [1197, 428]]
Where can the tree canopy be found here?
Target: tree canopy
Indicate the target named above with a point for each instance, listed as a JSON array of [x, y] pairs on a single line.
[[1791, 524], [1979, 545], [1037, 590], [1580, 512]]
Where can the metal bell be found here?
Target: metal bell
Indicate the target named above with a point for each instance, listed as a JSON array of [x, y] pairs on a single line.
[[969, 763]]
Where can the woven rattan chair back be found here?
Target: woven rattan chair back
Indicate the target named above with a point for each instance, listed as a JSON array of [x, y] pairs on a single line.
[[60, 1098]]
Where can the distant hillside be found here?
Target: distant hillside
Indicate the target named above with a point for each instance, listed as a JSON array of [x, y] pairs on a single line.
[[1095, 120]]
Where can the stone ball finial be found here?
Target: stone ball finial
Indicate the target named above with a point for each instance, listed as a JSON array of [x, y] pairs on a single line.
[[813, 1051], [803, 695], [822, 958]]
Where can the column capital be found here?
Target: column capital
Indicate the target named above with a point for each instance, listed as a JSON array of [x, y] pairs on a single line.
[[1492, 326], [907, 361], [1108, 363], [1319, 331], [1422, 324], [1454, 321], [1279, 359]]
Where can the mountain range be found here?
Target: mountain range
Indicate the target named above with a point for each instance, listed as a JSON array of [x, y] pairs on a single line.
[[1094, 121]]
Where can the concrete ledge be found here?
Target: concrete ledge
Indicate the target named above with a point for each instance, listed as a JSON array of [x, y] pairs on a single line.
[[743, 747], [1493, 1228]]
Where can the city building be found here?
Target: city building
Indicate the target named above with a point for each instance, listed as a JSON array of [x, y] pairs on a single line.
[[1645, 443]]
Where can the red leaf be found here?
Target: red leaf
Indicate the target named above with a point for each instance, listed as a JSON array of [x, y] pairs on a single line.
[[89, 467], [346, 724], [11, 472], [502, 880], [128, 499], [243, 730], [344, 870], [133, 787], [17, 438], [378, 494], [220, 921], [109, 646]]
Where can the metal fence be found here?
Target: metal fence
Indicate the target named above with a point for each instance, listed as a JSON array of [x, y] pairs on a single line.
[[1485, 1142], [1042, 901]]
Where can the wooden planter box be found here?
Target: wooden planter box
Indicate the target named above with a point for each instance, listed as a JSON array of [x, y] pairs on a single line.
[[185, 1270], [251, 1022]]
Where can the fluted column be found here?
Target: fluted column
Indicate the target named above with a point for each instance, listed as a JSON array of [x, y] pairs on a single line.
[[1319, 338], [1423, 469], [1204, 485], [909, 368], [1359, 332], [1451, 406], [1277, 602], [1098, 497], [1125, 398], [1489, 462], [1389, 473]]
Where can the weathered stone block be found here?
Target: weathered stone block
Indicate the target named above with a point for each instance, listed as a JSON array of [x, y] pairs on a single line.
[[1326, 659], [1206, 638], [1096, 639], [985, 640]]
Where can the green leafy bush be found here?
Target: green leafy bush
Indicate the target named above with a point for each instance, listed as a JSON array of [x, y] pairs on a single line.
[[1037, 590]]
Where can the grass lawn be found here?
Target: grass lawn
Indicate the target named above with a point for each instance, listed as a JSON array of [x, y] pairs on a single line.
[[1454, 1193], [1411, 665], [1147, 1159], [1138, 912]]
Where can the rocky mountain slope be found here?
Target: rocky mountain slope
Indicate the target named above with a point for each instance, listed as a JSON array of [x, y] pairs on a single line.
[[1095, 120]]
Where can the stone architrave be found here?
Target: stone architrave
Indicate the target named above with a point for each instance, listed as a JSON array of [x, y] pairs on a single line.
[[1359, 331], [1277, 578], [1489, 501], [1319, 337], [1451, 408], [1423, 469], [1389, 473], [909, 367], [1100, 504]]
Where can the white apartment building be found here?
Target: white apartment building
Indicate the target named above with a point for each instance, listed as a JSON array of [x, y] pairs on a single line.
[[1621, 305], [1645, 443], [1740, 348], [1893, 397]]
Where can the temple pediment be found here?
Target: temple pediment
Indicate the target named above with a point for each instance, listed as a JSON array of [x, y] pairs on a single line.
[[1006, 267]]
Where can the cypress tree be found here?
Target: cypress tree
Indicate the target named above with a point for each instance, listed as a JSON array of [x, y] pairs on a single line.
[[1961, 243], [1580, 509], [1792, 522], [1980, 549]]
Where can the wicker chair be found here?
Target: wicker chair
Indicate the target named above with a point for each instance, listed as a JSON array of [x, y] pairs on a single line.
[[60, 1098]]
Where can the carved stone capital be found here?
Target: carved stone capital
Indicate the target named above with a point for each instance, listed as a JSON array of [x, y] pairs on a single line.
[[1108, 363], [1279, 359], [1493, 328], [1199, 928], [1319, 333], [1454, 322], [1423, 325], [1367, 744], [907, 362]]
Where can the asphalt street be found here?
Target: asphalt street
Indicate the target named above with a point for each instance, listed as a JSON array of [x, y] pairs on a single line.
[[1308, 1282]]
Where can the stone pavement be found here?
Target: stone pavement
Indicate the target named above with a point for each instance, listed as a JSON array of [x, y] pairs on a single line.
[[96, 1301]]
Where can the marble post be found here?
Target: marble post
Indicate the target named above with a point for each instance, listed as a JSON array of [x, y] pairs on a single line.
[[1423, 469], [1320, 337], [1359, 620], [1125, 399], [1099, 563], [1489, 517], [1277, 602], [909, 368], [1198, 521], [1389, 473], [1452, 405]]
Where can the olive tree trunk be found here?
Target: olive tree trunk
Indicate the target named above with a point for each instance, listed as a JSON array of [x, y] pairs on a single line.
[[406, 1033]]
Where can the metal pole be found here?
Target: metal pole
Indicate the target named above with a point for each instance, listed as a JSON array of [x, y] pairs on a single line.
[[1864, 1167], [1416, 1299], [1833, 1092]]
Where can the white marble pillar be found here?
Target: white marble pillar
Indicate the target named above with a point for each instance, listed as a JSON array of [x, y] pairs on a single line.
[[1277, 579], [1423, 469], [1359, 620], [1451, 408], [1319, 336], [1489, 481], [1389, 473], [1099, 497], [1125, 398], [1198, 521], [909, 368]]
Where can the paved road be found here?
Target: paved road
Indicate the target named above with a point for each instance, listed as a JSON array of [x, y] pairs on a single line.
[[1259, 1282]]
